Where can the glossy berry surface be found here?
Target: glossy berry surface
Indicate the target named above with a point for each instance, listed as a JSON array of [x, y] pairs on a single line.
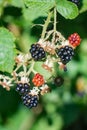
[[37, 52], [22, 88], [65, 54], [75, 1], [58, 81], [29, 100], [74, 39], [38, 80]]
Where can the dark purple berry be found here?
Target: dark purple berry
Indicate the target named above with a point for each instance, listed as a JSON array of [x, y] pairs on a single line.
[[37, 52], [22, 88], [58, 81], [65, 54], [19, 87], [30, 100]]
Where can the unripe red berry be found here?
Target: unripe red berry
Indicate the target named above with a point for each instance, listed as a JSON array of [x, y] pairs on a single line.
[[38, 80], [74, 39]]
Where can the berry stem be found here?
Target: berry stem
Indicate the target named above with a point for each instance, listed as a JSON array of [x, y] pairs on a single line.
[[18, 67], [34, 71], [31, 68], [25, 70], [55, 19], [48, 35], [46, 25]]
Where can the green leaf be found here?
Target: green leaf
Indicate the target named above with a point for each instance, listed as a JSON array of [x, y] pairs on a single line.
[[1, 1], [37, 8], [67, 9], [7, 50], [83, 47], [84, 6], [83, 66], [38, 67], [17, 3], [73, 69]]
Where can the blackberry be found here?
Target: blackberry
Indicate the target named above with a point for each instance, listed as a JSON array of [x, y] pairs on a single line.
[[58, 81], [22, 88], [37, 52], [30, 100], [65, 53], [75, 1]]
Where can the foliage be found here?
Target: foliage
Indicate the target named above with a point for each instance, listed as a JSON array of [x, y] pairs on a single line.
[[7, 51]]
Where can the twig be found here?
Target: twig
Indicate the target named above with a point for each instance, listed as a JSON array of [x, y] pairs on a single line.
[[46, 25]]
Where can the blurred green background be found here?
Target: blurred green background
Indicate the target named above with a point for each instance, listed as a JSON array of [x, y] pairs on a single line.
[[65, 108]]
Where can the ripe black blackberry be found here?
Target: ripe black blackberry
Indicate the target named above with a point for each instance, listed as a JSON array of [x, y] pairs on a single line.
[[75, 1], [58, 81], [37, 52], [65, 53], [22, 88], [30, 100]]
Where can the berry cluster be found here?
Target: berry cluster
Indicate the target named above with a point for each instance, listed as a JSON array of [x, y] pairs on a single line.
[[38, 80], [30, 100], [37, 52], [65, 53], [51, 49], [75, 1], [22, 88], [74, 39]]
